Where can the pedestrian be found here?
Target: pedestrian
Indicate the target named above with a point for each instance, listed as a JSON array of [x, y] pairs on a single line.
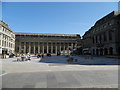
[[22, 57], [42, 55], [29, 57]]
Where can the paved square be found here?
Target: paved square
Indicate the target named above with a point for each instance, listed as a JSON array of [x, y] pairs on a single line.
[[56, 72]]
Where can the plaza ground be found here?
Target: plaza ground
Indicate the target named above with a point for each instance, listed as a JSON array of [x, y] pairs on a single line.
[[56, 72]]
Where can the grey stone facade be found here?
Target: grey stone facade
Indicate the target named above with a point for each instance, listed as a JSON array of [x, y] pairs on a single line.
[[104, 37], [35, 43]]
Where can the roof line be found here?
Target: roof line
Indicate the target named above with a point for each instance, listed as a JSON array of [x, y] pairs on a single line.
[[44, 33]]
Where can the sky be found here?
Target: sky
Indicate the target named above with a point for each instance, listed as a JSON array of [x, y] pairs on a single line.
[[54, 17]]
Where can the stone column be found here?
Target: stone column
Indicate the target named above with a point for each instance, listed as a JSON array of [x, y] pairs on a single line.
[[63, 48], [68, 48], [47, 47], [43, 47], [103, 51], [24, 47], [34, 46], [29, 47], [75, 45], [51, 47], [38, 47], [60, 47], [72, 46], [115, 52], [56, 48], [20, 48]]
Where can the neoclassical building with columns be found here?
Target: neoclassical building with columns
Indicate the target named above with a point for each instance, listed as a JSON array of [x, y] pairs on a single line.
[[35, 43]]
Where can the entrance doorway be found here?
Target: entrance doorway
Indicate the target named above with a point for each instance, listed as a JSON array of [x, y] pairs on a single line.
[[111, 51], [105, 51]]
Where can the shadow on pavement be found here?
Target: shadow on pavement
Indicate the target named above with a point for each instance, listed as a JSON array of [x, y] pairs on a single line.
[[80, 60]]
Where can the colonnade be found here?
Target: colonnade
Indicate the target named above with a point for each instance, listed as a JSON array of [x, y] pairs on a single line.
[[46, 47]]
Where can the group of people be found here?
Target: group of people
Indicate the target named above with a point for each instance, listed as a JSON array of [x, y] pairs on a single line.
[[24, 57], [40, 55], [27, 57], [48, 54], [58, 53]]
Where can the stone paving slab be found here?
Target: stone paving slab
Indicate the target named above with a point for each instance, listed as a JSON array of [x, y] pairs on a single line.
[[72, 79], [81, 60], [11, 66], [57, 73]]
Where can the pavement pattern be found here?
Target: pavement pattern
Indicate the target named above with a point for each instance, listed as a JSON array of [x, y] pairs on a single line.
[[56, 72]]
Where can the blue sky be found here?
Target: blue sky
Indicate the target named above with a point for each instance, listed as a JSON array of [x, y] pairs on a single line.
[[54, 17]]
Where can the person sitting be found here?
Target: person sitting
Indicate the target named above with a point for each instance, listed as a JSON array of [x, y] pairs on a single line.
[[42, 55], [38, 56], [48, 54]]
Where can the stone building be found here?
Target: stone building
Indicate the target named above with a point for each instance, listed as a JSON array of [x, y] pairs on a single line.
[[7, 39], [87, 42], [104, 36], [35, 43]]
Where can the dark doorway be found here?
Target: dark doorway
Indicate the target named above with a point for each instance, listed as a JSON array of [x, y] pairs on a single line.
[[101, 51], [119, 51], [97, 51], [4, 51], [111, 50], [105, 51], [93, 52]]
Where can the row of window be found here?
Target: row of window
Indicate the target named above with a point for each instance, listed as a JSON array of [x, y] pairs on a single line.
[[7, 31], [5, 37], [6, 44], [103, 37], [102, 27], [104, 51]]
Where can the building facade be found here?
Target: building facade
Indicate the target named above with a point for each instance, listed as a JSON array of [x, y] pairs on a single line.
[[7, 39], [35, 43], [87, 42], [104, 36]]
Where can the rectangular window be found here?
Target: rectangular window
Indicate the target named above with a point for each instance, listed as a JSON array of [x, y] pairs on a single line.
[[100, 38], [110, 35], [96, 39], [104, 35], [93, 40]]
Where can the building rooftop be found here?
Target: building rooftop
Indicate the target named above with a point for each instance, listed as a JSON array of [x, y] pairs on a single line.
[[107, 17], [5, 25], [47, 34]]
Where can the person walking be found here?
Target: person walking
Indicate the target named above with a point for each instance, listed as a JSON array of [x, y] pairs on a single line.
[[42, 55], [29, 57], [22, 57]]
